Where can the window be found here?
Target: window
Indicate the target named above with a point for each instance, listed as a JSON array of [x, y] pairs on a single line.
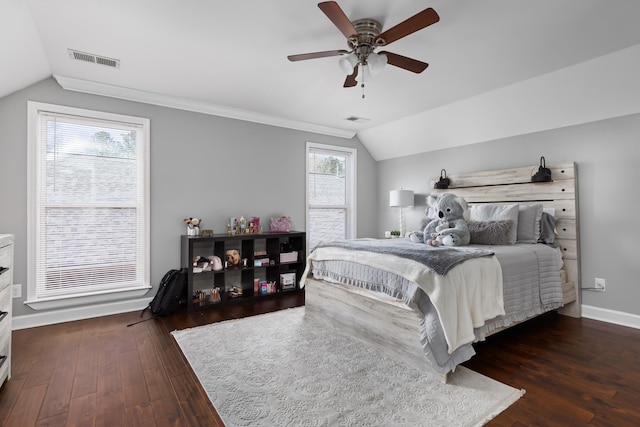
[[331, 193], [88, 192]]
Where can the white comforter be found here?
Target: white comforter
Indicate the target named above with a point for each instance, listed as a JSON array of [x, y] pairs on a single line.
[[469, 295]]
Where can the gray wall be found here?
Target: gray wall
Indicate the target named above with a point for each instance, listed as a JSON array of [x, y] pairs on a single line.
[[608, 157], [201, 166], [215, 167]]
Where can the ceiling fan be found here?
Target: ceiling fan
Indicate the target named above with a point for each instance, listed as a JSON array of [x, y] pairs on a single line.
[[364, 36]]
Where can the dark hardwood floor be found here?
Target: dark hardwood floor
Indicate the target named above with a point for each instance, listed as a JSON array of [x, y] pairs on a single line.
[[576, 372], [99, 372]]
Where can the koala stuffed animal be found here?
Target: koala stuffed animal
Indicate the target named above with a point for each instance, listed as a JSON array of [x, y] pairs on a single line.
[[450, 228]]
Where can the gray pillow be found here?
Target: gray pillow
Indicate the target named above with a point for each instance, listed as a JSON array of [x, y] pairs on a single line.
[[496, 232], [548, 230], [529, 223], [497, 213]]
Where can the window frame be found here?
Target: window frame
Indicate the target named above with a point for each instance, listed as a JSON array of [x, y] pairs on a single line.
[[351, 177], [34, 156]]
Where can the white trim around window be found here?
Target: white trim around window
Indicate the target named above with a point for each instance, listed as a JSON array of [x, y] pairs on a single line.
[[346, 208], [88, 189]]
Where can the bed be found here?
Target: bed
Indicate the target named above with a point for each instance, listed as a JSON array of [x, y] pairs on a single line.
[[430, 320]]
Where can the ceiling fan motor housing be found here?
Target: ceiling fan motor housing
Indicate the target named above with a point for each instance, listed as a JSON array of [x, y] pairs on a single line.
[[363, 44]]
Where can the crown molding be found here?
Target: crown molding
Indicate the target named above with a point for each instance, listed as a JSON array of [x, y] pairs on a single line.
[[102, 89]]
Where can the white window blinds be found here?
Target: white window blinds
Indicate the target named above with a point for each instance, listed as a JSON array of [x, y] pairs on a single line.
[[331, 174], [90, 207]]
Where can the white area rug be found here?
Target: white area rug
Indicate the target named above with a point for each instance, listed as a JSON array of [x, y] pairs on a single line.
[[282, 369]]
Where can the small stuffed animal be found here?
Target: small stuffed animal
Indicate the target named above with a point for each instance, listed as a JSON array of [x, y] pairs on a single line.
[[450, 226]]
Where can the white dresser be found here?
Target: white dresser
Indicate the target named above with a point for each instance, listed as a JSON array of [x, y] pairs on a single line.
[[6, 280]]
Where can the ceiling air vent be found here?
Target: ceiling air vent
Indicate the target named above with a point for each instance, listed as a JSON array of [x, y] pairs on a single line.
[[357, 119], [96, 59]]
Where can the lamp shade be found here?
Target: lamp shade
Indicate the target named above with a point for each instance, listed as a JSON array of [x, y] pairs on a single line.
[[401, 198]]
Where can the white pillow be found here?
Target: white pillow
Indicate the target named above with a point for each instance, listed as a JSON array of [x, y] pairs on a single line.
[[497, 213], [529, 217]]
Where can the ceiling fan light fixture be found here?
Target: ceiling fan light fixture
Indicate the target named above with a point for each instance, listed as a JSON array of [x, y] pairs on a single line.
[[348, 62], [376, 62]]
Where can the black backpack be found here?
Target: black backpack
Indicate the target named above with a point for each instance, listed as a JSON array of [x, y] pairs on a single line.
[[172, 287]]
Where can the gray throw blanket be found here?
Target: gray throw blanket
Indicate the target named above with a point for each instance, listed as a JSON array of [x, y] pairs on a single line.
[[440, 259]]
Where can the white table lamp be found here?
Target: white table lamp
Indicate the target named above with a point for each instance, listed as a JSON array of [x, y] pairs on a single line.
[[401, 199]]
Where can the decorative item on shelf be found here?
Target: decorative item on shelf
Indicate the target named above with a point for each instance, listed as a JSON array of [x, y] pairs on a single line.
[[193, 226], [244, 226], [401, 199], [254, 225], [235, 292], [232, 257], [207, 233], [444, 182], [261, 262], [197, 296], [268, 287], [280, 224], [203, 264], [289, 257], [232, 225], [287, 281], [543, 174], [215, 262], [207, 296]]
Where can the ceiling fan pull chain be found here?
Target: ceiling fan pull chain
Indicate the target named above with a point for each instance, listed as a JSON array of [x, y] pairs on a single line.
[[362, 84]]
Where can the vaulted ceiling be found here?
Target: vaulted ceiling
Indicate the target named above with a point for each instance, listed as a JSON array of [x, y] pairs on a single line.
[[497, 68]]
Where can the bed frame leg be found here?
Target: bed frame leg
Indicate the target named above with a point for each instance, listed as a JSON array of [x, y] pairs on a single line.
[[443, 377]]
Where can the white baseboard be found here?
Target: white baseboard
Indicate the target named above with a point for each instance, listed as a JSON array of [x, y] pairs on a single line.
[[78, 313], [611, 316]]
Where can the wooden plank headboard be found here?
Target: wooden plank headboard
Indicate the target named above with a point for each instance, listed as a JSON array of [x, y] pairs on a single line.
[[515, 186]]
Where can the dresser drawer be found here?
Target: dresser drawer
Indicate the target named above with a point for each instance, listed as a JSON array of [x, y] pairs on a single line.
[[5, 279], [5, 336], [5, 300], [6, 265], [5, 350], [5, 329]]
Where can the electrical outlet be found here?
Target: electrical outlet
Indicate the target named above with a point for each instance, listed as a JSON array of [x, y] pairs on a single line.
[[17, 291], [599, 284]]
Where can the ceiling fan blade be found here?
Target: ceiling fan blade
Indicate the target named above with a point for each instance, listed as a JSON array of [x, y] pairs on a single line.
[[404, 62], [409, 26], [314, 55], [338, 17], [351, 81]]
